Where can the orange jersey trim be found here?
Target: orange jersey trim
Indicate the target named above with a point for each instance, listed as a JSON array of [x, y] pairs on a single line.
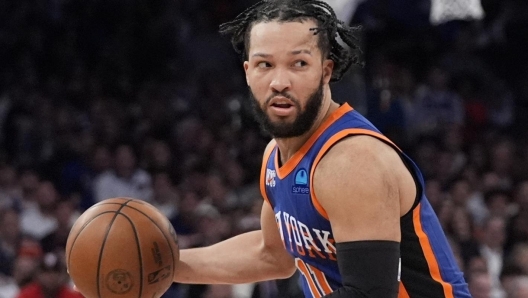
[[332, 141], [265, 160], [320, 279], [434, 269], [402, 293], [311, 283], [288, 167]]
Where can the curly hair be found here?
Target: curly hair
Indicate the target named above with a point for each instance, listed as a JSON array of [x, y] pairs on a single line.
[[329, 28]]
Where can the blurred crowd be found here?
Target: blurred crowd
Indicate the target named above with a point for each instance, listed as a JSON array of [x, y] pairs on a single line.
[[101, 99]]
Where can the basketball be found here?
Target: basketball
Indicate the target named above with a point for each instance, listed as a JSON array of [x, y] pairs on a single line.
[[122, 247]]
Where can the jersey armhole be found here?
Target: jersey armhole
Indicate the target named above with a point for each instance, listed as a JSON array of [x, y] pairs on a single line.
[[359, 131], [419, 187]]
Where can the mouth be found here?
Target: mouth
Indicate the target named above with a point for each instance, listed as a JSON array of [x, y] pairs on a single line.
[[281, 102], [282, 109], [281, 105]]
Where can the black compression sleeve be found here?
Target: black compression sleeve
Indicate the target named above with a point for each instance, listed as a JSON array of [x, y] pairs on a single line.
[[369, 269]]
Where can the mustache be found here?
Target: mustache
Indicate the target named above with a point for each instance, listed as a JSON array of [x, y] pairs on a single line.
[[282, 94]]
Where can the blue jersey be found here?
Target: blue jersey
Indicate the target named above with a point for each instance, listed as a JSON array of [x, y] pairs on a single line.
[[428, 267]]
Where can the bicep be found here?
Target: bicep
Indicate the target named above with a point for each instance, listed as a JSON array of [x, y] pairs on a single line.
[[270, 229], [359, 193]]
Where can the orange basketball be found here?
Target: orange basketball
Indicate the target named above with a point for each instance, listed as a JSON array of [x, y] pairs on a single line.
[[122, 247]]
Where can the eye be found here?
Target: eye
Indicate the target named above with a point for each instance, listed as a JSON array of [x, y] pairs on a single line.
[[300, 63], [263, 64]]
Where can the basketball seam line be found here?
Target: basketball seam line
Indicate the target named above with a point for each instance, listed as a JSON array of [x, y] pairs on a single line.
[[139, 252], [82, 229], [161, 230], [103, 245]]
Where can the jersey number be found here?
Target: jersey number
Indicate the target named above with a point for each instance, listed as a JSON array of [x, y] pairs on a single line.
[[315, 278]]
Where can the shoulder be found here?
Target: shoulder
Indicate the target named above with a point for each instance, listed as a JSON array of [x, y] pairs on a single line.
[[364, 162], [360, 152], [362, 166], [357, 186]]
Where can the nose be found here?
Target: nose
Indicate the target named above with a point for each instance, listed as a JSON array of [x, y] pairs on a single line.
[[281, 81]]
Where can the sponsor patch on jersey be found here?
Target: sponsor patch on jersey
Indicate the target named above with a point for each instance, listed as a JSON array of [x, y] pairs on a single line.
[[301, 182]]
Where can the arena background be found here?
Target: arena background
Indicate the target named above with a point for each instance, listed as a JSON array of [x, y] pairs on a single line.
[[92, 91]]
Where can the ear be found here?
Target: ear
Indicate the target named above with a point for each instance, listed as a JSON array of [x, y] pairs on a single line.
[[328, 69], [246, 67]]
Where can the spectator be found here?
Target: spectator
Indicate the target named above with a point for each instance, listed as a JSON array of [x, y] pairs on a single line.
[[435, 194], [10, 192], [8, 287], [461, 229], [217, 191], [125, 180], [65, 214], [385, 109], [26, 263], [480, 285], [211, 224], [10, 237], [521, 287], [185, 222], [518, 227], [436, 105], [491, 248], [50, 281], [502, 161], [508, 278], [498, 203], [159, 157], [39, 220], [29, 183], [519, 256], [165, 195], [460, 192], [405, 88], [453, 142]]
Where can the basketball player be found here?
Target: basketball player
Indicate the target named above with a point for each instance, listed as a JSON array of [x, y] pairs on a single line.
[[343, 205]]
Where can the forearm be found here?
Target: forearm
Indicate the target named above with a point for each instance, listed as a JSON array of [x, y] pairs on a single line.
[[240, 259]]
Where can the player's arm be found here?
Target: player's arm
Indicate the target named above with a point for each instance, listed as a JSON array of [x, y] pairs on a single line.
[[249, 257], [357, 184]]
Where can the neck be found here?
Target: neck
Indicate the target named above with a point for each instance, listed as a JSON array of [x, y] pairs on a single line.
[[289, 146]]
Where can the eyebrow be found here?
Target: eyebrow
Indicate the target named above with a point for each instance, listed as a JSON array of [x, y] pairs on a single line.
[[301, 52], [296, 52]]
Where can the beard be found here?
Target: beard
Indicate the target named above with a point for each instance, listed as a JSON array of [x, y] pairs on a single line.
[[302, 123]]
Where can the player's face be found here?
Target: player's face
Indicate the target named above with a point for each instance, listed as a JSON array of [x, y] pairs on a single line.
[[287, 76]]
